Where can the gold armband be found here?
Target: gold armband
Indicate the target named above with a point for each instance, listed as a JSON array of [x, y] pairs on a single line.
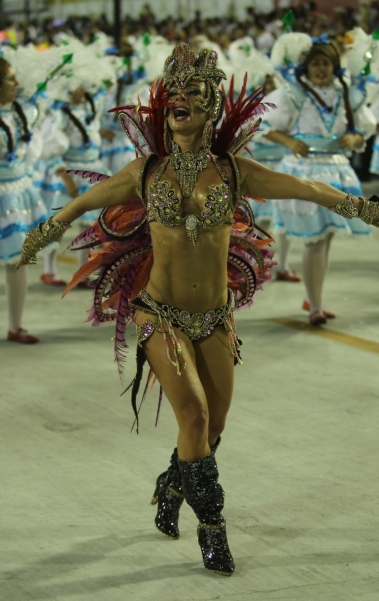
[[346, 209], [41, 236], [370, 211]]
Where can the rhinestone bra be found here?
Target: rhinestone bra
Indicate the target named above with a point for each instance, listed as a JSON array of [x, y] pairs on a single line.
[[163, 205]]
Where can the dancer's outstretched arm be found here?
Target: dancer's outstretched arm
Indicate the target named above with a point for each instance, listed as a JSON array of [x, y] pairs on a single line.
[[261, 182], [115, 190]]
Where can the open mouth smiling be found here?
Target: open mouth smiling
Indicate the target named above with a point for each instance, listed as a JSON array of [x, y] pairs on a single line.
[[180, 113]]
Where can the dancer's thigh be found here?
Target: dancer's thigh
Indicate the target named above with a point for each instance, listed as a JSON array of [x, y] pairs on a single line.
[[215, 366], [185, 393]]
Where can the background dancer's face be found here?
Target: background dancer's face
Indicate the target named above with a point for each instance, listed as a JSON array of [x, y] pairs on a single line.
[[320, 71], [269, 84], [185, 117], [8, 86], [78, 95]]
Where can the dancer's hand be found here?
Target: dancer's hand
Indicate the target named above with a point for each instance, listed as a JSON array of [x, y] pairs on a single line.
[[108, 135], [297, 147], [351, 141], [71, 189], [69, 184]]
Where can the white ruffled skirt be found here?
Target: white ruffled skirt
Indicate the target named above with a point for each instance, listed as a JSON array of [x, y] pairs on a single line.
[[307, 220], [21, 208]]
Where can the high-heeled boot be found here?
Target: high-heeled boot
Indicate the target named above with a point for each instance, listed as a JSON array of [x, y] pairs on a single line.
[[206, 497], [169, 496]]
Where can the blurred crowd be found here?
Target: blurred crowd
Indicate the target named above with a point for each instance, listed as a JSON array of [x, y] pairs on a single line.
[[263, 29]]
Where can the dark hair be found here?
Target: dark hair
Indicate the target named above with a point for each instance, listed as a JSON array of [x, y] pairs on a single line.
[[332, 53], [4, 66], [66, 109], [89, 99]]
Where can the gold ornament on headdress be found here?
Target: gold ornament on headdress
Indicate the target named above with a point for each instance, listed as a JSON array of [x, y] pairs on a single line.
[[183, 66], [180, 68]]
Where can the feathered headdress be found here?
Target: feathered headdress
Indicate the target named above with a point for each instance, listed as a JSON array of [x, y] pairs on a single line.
[[183, 66]]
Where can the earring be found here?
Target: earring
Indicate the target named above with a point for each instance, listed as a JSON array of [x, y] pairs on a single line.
[[207, 134], [167, 138]]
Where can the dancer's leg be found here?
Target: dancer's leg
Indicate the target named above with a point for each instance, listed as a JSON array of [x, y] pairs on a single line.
[[284, 245], [284, 272], [16, 287], [215, 365], [49, 262], [50, 275], [185, 393], [188, 399], [315, 266]]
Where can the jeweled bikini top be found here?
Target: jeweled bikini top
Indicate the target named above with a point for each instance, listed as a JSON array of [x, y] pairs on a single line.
[[163, 204]]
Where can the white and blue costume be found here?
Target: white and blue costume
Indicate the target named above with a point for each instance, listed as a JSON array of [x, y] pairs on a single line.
[[374, 164], [21, 205], [81, 155], [300, 116], [55, 144], [268, 154], [118, 153]]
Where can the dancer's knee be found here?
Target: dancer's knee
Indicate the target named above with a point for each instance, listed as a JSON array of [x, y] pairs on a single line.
[[215, 429], [315, 248], [194, 419]]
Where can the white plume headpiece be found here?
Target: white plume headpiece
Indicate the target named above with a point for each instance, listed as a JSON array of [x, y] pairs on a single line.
[[363, 50], [290, 48]]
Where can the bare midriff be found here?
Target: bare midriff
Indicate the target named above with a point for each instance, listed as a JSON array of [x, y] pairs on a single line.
[[188, 276]]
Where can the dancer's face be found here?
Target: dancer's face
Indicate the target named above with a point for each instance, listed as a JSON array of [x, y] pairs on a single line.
[[320, 71], [78, 95], [8, 86], [185, 117], [269, 84]]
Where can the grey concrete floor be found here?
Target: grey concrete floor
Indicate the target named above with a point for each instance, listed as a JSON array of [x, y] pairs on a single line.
[[298, 460]]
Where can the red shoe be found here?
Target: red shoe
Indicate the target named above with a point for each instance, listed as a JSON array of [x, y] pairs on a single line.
[[287, 276], [22, 336], [327, 314], [51, 280], [317, 318]]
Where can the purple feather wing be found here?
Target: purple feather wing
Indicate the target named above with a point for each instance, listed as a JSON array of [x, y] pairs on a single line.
[[92, 176], [138, 132]]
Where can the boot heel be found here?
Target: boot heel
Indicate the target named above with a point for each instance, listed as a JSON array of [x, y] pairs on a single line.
[[158, 487]]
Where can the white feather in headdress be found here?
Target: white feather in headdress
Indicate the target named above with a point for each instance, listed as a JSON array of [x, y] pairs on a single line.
[[290, 48], [362, 51], [153, 56], [257, 66], [240, 49]]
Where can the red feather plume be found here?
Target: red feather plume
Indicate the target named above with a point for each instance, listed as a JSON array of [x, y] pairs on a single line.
[[153, 115], [237, 113]]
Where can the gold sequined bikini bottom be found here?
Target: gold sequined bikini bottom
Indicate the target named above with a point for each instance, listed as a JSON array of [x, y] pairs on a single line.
[[194, 325]]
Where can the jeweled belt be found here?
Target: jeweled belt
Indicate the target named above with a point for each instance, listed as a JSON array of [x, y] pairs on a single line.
[[194, 325]]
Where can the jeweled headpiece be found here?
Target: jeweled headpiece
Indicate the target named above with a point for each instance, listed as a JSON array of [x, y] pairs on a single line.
[[183, 66]]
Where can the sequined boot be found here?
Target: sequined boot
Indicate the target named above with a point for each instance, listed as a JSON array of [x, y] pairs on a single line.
[[206, 497], [169, 496]]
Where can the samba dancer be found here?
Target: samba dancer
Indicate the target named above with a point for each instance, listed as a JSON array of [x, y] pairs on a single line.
[[21, 207], [180, 207], [320, 121]]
